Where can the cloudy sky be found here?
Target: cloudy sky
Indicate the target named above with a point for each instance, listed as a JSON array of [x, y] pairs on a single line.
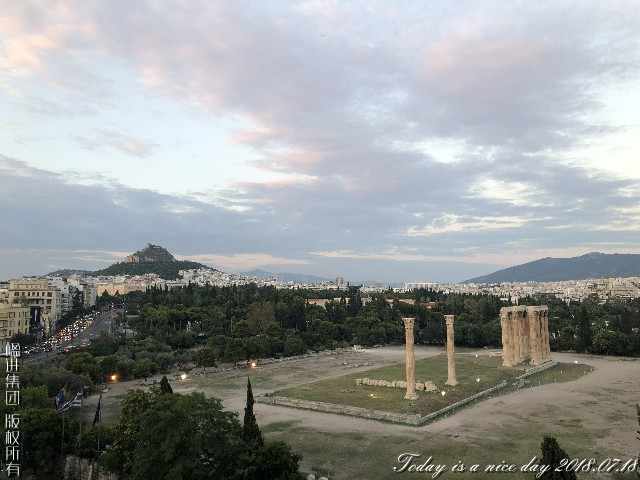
[[374, 140]]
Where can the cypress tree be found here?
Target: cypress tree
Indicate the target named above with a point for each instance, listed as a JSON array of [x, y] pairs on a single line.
[[165, 386], [552, 455], [250, 430]]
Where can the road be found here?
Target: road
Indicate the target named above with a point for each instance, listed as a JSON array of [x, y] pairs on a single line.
[[103, 322]]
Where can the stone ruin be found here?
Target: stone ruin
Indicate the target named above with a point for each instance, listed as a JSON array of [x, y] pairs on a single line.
[[451, 354], [421, 386], [410, 358], [525, 335]]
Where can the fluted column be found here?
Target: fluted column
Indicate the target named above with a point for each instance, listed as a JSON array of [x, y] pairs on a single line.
[[451, 358], [545, 328], [534, 335], [517, 324], [410, 358], [505, 323]]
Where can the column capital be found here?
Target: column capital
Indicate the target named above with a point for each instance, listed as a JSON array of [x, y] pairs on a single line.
[[408, 321], [449, 319]]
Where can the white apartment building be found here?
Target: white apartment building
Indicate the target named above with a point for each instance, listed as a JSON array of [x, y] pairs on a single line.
[[88, 288], [66, 293]]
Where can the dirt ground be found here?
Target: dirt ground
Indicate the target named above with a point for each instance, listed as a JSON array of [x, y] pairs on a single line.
[[592, 416]]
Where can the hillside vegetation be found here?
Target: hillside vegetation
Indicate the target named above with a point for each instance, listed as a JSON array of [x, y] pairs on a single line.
[[166, 270]]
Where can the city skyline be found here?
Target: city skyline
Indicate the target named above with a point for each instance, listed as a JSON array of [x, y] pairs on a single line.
[[374, 141]]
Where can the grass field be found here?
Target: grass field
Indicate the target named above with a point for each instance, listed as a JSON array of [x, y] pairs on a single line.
[[474, 374]]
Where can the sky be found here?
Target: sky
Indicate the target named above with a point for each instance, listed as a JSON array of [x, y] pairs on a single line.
[[375, 140]]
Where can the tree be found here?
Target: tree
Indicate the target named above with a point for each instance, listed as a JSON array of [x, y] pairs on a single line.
[[35, 397], [276, 462], [583, 330], [206, 357], [260, 316], [121, 456], [144, 367], [552, 455], [108, 365], [250, 430], [83, 364], [91, 437], [293, 345], [234, 350], [42, 440], [165, 386], [177, 437]]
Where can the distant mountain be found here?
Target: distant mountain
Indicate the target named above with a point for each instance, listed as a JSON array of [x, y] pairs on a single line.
[[286, 276], [151, 259], [591, 265]]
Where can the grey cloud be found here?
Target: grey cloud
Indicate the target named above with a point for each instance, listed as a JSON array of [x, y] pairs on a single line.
[[46, 211], [114, 139], [506, 81]]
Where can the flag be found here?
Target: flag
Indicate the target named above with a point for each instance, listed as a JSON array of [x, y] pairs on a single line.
[[98, 415], [75, 402], [60, 399]]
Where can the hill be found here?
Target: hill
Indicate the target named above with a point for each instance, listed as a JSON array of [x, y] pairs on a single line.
[[591, 265], [151, 254], [286, 276], [166, 270], [151, 259]]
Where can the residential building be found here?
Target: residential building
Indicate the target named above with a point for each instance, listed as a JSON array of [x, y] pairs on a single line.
[[89, 294], [14, 318], [43, 300]]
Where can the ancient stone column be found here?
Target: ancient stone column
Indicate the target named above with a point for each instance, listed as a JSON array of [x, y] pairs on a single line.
[[545, 329], [517, 326], [451, 359], [410, 358], [526, 342], [523, 334], [505, 323], [535, 338]]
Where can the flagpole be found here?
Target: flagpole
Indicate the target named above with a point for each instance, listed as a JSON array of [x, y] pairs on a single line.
[[62, 438], [79, 445], [96, 422]]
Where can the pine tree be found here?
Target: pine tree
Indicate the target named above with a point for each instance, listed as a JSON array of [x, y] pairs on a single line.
[[165, 386], [250, 430], [552, 455]]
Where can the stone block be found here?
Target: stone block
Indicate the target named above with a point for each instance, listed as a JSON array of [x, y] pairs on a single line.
[[430, 386]]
